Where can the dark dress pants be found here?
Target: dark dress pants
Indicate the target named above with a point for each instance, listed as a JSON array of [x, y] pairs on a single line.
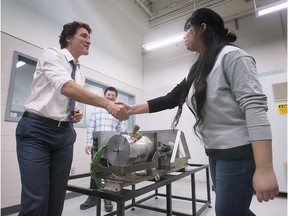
[[45, 155]]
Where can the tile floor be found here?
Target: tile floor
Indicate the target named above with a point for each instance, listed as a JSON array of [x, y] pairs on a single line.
[[277, 207]]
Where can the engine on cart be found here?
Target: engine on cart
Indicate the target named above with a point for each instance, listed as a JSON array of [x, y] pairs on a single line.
[[132, 157]]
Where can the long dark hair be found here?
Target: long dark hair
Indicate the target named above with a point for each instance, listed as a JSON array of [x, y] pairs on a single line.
[[215, 38]]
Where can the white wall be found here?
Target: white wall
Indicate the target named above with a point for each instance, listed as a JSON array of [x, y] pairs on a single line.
[[279, 127], [40, 23], [262, 37]]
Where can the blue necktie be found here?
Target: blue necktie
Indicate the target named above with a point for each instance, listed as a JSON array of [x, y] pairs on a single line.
[[72, 102]]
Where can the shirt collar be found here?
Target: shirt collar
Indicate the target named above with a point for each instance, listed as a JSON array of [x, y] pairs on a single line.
[[69, 57]]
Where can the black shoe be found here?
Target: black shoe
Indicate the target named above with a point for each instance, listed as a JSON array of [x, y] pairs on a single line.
[[108, 206], [90, 202]]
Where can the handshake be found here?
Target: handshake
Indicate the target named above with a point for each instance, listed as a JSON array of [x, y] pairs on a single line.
[[119, 110]]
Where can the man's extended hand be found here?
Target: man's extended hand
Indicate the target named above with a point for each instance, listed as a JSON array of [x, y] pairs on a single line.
[[118, 111]]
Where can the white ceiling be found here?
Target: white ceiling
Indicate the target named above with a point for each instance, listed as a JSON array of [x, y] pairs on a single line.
[[143, 15], [161, 12], [157, 12]]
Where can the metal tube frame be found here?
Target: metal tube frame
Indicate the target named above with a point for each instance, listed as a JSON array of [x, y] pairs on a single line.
[[121, 197]]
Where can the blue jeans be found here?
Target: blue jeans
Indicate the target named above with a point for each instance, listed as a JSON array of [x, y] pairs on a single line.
[[232, 181], [45, 155]]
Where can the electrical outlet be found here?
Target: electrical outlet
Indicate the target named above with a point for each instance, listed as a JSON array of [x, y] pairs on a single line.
[[72, 171]]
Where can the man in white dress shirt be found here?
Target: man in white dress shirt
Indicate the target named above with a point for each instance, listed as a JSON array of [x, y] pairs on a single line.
[[45, 134]]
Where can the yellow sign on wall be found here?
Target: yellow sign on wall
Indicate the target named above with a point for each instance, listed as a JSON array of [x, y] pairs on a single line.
[[282, 109]]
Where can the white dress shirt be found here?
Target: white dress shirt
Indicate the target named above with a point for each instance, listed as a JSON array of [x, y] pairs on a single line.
[[53, 70]]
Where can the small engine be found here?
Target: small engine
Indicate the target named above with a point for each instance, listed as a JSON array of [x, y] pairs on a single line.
[[132, 157]]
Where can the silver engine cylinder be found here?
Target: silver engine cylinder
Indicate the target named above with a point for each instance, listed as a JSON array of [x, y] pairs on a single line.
[[125, 150]]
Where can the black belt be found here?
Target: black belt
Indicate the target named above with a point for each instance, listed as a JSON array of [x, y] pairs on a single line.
[[60, 124]]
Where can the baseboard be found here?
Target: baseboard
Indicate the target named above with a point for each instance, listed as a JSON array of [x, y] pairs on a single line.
[[16, 208]]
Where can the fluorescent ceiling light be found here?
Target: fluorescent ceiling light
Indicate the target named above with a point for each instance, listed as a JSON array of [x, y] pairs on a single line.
[[164, 42], [275, 6], [20, 63]]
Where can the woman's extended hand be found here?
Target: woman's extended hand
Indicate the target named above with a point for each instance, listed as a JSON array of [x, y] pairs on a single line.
[[127, 106]]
